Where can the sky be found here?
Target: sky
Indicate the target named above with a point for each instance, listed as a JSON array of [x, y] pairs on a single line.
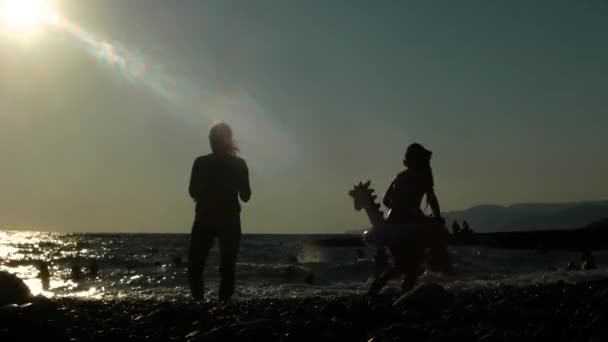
[[102, 115]]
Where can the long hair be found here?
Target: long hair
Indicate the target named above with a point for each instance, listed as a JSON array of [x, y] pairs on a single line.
[[221, 140], [418, 157]]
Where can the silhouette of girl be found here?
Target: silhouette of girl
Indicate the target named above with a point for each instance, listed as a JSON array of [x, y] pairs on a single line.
[[405, 193], [218, 180], [403, 198]]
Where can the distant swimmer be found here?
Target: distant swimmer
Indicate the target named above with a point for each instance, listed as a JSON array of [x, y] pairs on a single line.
[[588, 261], [76, 273], [44, 274], [93, 268], [380, 261], [177, 261]]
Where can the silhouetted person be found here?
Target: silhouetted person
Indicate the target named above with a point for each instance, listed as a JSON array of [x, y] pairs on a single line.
[[465, 228], [217, 181], [309, 278], [588, 261], [44, 274], [76, 273], [403, 198], [177, 261], [455, 228], [380, 261], [93, 268]]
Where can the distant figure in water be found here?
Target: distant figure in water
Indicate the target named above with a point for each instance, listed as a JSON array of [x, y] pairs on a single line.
[[466, 229], [218, 180], [455, 228], [177, 261], [76, 273], [310, 278], [380, 261], [403, 198], [93, 268], [44, 274], [588, 261], [360, 255]]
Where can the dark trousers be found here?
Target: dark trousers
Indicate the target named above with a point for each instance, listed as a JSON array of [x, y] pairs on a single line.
[[203, 236]]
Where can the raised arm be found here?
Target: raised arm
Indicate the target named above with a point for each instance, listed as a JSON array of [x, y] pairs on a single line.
[[244, 187]]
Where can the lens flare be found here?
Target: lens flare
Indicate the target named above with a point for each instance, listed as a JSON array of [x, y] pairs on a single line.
[[24, 17], [263, 140], [199, 103]]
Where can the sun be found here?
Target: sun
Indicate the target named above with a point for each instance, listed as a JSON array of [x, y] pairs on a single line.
[[25, 16]]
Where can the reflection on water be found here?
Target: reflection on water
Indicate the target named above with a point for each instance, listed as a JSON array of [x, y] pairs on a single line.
[[94, 265], [147, 265], [21, 252]]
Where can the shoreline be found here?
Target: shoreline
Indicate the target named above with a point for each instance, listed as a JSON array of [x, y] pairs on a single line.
[[560, 312]]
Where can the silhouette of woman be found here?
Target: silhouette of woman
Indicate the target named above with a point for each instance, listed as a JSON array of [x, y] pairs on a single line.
[[405, 193], [403, 198], [218, 180]]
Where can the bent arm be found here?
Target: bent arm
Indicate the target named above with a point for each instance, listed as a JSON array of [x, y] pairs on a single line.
[[433, 202], [390, 194], [194, 186], [244, 186]]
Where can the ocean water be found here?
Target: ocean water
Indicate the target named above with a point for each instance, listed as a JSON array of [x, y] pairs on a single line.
[[154, 266]]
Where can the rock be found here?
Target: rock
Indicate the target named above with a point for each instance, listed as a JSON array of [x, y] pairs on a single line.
[[193, 334], [598, 323], [398, 331], [491, 336], [256, 323], [217, 334], [426, 295], [13, 290]]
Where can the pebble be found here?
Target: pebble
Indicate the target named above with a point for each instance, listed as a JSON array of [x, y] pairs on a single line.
[[467, 315], [193, 334]]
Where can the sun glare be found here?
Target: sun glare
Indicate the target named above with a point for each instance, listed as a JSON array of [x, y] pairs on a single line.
[[24, 17]]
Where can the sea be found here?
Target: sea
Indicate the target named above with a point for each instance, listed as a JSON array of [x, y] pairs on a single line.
[[154, 266]]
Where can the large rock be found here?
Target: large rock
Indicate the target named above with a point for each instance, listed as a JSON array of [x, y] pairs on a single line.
[[13, 290]]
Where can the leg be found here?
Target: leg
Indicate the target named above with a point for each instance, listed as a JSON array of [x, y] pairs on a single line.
[[397, 255], [408, 263], [379, 282], [230, 240], [201, 242]]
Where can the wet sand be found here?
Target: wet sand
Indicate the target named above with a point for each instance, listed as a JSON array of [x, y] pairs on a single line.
[[560, 312]]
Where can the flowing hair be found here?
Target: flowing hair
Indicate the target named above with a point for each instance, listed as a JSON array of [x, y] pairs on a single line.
[[221, 140], [418, 157]]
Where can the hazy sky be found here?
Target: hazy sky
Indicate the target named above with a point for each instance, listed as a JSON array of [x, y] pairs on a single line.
[[99, 125]]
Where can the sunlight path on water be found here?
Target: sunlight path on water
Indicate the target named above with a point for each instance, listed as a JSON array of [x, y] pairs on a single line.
[[16, 251]]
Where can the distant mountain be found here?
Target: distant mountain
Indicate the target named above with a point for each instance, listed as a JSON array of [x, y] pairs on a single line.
[[530, 216]]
